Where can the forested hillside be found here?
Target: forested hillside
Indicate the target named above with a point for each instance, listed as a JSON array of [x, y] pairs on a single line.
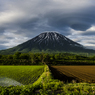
[[46, 58]]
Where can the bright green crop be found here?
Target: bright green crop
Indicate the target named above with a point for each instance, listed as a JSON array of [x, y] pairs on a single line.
[[23, 74]]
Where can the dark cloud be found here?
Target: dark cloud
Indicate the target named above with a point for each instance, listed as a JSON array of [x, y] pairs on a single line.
[[30, 18], [78, 21], [31, 23], [1, 31], [2, 47], [91, 42], [2, 42], [80, 26], [90, 47], [89, 33]]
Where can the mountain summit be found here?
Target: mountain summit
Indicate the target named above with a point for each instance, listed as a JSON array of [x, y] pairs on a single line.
[[48, 42], [54, 40]]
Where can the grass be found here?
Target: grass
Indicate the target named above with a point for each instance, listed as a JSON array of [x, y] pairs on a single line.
[[46, 85], [50, 86], [23, 74]]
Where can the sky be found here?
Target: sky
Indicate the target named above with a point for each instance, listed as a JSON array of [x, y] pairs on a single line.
[[21, 20]]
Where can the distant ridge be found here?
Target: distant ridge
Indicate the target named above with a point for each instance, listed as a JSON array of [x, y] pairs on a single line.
[[48, 42]]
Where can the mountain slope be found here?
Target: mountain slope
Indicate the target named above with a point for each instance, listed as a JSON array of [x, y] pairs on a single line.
[[48, 41]]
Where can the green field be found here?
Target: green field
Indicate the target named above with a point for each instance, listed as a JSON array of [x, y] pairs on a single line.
[[23, 74], [47, 85]]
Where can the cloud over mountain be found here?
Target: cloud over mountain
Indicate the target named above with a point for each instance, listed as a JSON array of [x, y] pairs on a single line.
[[22, 20]]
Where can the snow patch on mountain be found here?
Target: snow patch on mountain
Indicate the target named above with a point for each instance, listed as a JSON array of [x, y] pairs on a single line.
[[54, 38]]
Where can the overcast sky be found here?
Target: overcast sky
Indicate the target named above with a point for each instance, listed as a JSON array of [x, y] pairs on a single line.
[[21, 20]]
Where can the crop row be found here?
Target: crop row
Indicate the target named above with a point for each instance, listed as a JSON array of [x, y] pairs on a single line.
[[23, 74], [78, 73]]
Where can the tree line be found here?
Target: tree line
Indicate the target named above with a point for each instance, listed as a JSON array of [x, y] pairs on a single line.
[[46, 58]]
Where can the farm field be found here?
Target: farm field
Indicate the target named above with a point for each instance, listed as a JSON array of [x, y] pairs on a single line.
[[47, 85], [22, 74], [77, 73]]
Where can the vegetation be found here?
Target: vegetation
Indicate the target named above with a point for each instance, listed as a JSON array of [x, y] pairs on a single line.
[[23, 74], [46, 85], [46, 58]]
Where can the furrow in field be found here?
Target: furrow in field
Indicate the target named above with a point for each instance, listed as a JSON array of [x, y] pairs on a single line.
[[71, 74], [80, 73], [83, 72]]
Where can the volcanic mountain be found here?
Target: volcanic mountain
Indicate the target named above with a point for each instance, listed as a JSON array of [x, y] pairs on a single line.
[[48, 42]]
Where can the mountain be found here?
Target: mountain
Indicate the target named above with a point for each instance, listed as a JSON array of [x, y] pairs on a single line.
[[48, 42]]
